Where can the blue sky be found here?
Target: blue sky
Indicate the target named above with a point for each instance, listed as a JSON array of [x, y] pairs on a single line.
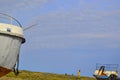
[[70, 35]]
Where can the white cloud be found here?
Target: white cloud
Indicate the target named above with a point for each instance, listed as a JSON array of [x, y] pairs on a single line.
[[86, 40], [64, 30], [15, 5], [61, 29]]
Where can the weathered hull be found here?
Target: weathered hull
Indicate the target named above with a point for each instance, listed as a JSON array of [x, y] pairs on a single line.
[[9, 51], [11, 38], [4, 71]]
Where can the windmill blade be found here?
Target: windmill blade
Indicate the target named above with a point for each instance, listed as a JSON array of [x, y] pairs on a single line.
[[30, 27]]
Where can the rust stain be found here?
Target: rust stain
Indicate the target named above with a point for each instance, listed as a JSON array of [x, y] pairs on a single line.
[[4, 71]]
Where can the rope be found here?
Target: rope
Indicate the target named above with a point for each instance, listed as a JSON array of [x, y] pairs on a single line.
[[16, 71]]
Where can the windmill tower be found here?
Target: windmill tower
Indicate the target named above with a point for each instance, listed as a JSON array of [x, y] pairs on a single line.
[[11, 38]]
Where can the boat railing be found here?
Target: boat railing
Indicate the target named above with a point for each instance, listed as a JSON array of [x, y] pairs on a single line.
[[7, 19], [108, 67]]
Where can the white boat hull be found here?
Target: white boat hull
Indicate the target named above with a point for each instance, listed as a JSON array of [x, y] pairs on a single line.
[[11, 38]]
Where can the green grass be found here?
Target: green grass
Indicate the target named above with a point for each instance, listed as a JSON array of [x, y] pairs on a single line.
[[28, 75]]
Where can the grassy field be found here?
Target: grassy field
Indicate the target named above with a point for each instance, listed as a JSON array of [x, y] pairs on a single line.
[[28, 75]]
